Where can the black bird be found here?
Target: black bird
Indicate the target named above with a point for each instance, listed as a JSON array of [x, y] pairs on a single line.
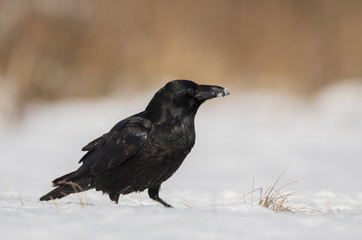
[[144, 150]]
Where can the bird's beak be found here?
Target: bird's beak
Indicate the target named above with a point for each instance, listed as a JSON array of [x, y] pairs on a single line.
[[207, 92]]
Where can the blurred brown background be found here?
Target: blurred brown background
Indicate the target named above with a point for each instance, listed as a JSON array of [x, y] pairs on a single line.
[[51, 49]]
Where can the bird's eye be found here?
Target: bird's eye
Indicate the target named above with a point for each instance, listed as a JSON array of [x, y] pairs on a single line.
[[190, 92]]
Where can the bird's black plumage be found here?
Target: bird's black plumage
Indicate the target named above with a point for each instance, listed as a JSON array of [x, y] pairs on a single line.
[[144, 150]]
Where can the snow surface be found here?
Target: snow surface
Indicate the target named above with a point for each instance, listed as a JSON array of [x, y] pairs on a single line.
[[242, 137]]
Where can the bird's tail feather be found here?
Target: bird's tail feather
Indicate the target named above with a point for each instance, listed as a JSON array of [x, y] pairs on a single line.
[[65, 189], [58, 181], [59, 192]]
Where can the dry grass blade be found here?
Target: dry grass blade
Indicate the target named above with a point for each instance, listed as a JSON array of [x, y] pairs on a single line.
[[77, 189], [13, 198], [278, 199], [21, 198], [11, 195], [188, 206]]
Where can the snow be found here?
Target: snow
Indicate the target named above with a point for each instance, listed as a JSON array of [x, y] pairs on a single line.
[[246, 136]]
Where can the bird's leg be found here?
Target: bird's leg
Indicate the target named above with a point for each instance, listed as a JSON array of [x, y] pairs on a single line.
[[153, 193], [114, 197]]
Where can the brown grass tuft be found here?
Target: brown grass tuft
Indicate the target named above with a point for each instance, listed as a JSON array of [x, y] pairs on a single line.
[[278, 199]]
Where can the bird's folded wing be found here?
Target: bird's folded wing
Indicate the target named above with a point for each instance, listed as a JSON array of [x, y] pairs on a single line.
[[115, 147], [93, 143]]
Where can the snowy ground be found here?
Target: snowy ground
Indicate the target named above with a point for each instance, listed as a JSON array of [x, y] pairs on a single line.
[[243, 136]]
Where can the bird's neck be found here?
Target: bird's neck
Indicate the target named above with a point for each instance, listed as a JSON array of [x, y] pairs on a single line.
[[162, 110], [161, 115]]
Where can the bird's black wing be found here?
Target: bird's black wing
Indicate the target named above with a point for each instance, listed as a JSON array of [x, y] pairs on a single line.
[[112, 149], [93, 143]]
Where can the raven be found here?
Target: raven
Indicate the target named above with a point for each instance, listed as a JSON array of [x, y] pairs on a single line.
[[144, 150]]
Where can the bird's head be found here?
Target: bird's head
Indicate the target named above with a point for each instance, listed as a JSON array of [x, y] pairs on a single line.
[[180, 98]]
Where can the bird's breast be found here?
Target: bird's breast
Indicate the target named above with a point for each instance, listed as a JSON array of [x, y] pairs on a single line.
[[172, 141], [178, 135]]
